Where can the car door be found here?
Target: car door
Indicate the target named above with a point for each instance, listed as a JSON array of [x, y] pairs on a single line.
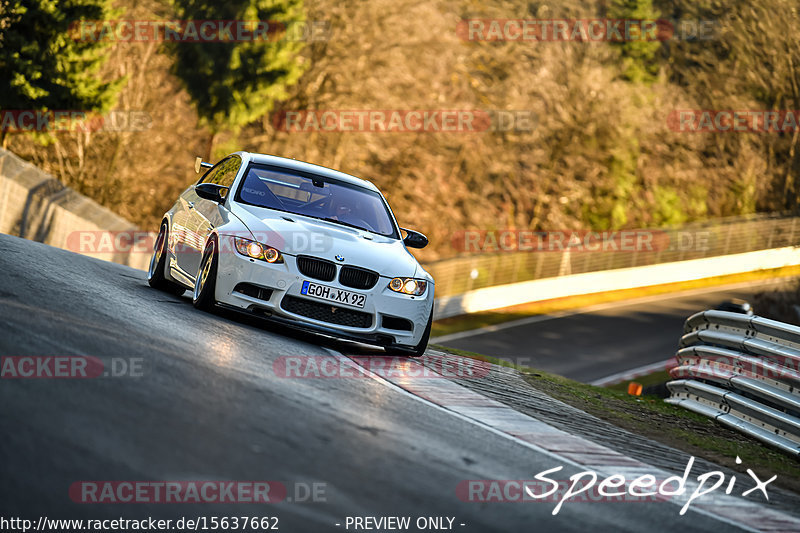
[[177, 232], [183, 225], [205, 215]]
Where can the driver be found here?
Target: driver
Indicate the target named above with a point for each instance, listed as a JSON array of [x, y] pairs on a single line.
[[340, 209], [344, 208]]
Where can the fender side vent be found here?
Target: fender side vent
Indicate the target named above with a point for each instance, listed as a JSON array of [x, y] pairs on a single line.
[[253, 291]]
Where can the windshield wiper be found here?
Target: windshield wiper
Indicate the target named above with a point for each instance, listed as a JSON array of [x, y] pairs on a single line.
[[343, 223]]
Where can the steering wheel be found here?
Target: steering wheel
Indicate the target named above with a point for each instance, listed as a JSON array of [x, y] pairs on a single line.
[[317, 203], [360, 222]]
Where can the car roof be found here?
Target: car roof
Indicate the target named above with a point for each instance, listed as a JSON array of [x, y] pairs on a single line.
[[294, 164]]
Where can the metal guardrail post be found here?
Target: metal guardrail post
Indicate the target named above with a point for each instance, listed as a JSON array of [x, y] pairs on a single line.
[[539, 262], [726, 251]]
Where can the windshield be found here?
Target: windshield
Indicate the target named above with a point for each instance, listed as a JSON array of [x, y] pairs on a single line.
[[317, 197]]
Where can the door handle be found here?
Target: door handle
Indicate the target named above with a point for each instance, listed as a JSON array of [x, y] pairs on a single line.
[[191, 205]]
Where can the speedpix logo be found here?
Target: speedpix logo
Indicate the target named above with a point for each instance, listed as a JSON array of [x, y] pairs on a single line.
[[589, 486]]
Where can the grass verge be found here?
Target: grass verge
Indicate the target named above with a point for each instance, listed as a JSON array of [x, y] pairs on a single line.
[[647, 380], [655, 419], [489, 318]]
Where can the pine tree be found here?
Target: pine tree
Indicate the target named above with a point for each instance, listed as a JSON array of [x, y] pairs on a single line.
[[45, 66], [639, 60], [234, 83]]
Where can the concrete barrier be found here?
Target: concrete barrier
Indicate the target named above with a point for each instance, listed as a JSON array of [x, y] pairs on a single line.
[[36, 206]]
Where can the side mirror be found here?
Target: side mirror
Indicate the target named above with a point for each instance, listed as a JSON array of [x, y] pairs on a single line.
[[200, 164], [211, 191], [414, 239]]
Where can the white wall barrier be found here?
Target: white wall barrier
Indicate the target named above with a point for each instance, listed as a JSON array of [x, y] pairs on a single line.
[[613, 280]]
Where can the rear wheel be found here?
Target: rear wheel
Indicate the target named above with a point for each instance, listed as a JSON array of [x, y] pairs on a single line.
[[419, 349], [158, 264], [206, 282]]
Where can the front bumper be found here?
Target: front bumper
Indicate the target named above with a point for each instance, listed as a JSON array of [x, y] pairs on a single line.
[[274, 290]]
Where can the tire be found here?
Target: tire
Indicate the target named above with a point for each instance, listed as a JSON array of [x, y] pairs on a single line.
[[419, 349], [206, 282], [158, 265]]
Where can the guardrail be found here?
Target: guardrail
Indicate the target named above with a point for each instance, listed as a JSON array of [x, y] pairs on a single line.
[[744, 372]]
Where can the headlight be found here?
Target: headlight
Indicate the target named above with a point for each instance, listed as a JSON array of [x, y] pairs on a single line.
[[255, 250], [414, 287]]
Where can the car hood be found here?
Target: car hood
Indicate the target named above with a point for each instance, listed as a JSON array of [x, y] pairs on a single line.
[[299, 235]]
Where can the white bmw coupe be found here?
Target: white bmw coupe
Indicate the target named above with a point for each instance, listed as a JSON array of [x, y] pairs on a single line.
[[298, 243]]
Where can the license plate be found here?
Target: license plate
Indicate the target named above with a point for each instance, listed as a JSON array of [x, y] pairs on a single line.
[[333, 295]]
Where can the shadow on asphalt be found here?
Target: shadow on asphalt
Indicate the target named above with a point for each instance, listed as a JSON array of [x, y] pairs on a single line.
[[265, 324]]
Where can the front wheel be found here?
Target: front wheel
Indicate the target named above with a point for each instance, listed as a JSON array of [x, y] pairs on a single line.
[[206, 282], [419, 349], [158, 265]]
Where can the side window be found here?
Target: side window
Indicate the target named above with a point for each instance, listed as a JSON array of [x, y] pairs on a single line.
[[212, 172], [224, 172]]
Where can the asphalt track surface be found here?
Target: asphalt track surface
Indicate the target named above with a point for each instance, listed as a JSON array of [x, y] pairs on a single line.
[[208, 406], [588, 346]]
